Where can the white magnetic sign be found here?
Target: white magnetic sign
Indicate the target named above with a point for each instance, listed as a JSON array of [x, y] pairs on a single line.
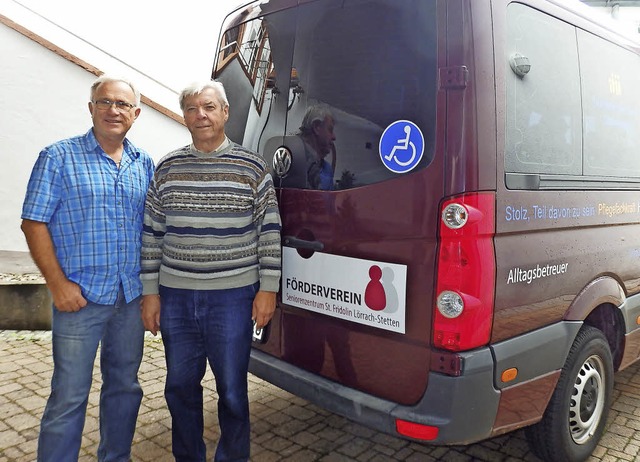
[[356, 290]]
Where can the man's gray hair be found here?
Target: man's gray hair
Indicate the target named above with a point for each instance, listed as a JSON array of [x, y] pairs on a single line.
[[104, 78], [315, 113], [198, 87]]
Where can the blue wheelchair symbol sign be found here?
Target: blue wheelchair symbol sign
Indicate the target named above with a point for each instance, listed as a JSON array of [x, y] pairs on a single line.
[[401, 146]]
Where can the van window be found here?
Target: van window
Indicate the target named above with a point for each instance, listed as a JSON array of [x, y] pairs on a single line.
[[611, 112], [543, 107], [372, 64], [574, 112], [367, 64]]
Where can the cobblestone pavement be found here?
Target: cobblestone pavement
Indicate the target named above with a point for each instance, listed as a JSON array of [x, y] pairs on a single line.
[[284, 427]]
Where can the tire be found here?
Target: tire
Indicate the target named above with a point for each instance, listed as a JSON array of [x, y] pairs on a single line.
[[576, 416]]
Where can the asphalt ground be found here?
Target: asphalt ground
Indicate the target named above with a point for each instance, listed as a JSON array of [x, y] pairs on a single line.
[[284, 427]]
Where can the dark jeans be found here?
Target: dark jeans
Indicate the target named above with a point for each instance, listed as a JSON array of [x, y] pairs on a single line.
[[213, 325]]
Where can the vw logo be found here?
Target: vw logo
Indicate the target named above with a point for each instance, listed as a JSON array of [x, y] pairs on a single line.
[[281, 161]]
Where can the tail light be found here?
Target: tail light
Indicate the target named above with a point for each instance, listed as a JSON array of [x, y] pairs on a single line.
[[466, 273]]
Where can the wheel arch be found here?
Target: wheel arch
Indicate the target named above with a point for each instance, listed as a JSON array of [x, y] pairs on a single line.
[[598, 305]]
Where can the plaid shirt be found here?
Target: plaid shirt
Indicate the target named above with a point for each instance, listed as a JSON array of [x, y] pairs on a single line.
[[94, 213]]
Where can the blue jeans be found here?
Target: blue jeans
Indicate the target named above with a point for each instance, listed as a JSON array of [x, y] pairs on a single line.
[[213, 325], [75, 342]]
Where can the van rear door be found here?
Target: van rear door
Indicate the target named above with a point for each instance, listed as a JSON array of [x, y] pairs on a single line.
[[341, 101]]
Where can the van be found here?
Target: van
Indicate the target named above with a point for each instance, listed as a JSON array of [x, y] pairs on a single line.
[[459, 188]]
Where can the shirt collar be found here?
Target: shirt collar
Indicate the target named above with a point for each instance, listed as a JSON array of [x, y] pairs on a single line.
[[224, 145], [93, 145]]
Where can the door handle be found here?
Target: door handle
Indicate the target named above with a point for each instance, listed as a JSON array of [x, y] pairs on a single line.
[[298, 243]]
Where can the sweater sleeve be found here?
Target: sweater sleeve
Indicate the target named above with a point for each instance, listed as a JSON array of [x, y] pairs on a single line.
[[269, 226], [153, 231]]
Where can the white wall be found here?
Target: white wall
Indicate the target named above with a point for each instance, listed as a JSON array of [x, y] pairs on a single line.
[[43, 98], [171, 42]]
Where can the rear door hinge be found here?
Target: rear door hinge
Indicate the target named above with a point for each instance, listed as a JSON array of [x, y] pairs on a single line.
[[453, 77]]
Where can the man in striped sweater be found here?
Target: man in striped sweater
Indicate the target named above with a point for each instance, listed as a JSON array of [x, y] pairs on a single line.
[[211, 260]]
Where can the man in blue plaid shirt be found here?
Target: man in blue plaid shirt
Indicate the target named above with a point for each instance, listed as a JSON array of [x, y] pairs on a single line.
[[82, 218]]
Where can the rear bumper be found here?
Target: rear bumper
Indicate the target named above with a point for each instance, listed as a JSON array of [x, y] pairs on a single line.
[[463, 408]]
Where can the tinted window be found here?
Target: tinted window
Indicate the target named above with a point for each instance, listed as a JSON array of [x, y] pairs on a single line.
[[543, 107], [366, 63]]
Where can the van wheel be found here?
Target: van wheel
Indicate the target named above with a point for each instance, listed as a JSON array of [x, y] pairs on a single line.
[[576, 416]]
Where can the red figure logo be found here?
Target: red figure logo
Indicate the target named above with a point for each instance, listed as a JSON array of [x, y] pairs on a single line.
[[374, 296]]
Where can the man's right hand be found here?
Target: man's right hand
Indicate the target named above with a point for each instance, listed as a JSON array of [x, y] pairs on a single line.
[[67, 296], [150, 307]]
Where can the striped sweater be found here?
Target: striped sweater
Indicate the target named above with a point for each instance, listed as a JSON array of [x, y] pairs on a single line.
[[211, 222]]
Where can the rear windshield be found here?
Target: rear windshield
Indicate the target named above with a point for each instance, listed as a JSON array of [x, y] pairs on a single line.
[[357, 65]]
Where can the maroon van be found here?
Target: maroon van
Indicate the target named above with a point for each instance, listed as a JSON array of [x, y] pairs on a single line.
[[460, 196]]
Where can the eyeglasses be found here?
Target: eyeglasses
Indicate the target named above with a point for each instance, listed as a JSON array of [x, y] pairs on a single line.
[[121, 106]]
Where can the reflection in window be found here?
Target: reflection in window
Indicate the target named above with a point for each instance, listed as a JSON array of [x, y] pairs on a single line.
[[249, 44], [262, 69], [370, 63], [228, 47], [250, 47]]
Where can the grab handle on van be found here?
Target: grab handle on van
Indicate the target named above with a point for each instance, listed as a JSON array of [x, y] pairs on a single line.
[[298, 243]]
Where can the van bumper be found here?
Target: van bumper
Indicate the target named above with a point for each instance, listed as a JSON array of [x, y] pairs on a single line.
[[462, 408]]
